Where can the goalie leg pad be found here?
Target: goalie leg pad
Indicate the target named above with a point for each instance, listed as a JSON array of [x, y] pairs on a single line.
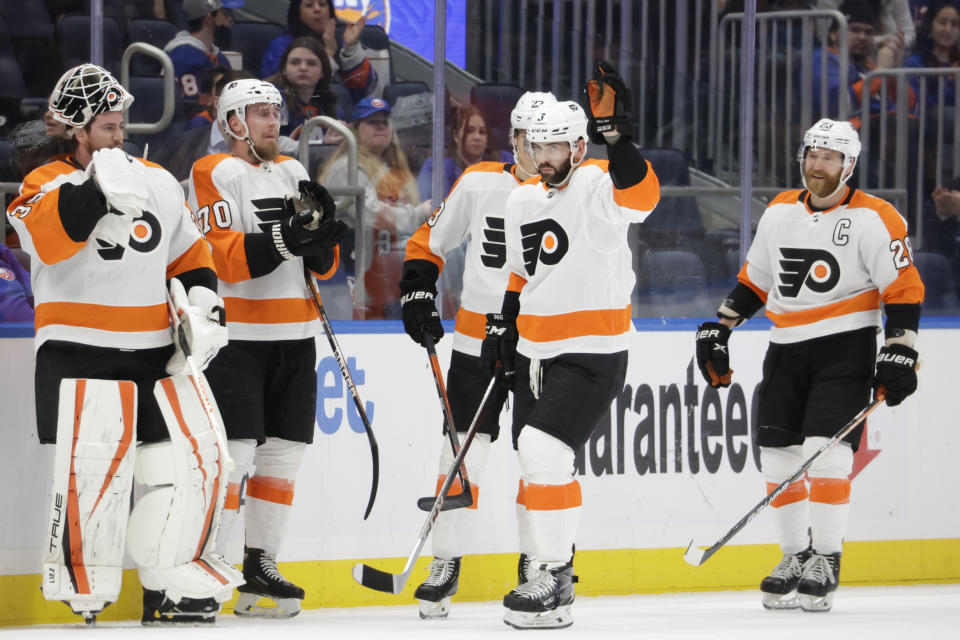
[[551, 494], [93, 476], [172, 529]]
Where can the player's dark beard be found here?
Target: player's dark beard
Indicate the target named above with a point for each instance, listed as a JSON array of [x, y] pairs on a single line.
[[268, 151], [559, 174]]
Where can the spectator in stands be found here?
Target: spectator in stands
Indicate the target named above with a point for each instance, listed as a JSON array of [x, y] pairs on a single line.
[[861, 18], [348, 62], [470, 138], [194, 50], [16, 295], [941, 224], [894, 17], [304, 81], [392, 207], [207, 100], [937, 48]]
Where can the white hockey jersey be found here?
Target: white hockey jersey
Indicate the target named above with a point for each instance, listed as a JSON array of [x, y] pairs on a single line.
[[94, 292], [826, 272], [232, 197], [474, 208], [568, 256]]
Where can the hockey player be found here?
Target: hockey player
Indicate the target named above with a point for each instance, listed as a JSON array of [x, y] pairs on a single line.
[[106, 232], [265, 379], [564, 327], [825, 261], [475, 210]]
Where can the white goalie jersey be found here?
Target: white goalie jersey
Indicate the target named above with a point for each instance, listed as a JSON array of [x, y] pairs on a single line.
[[826, 272], [475, 209]]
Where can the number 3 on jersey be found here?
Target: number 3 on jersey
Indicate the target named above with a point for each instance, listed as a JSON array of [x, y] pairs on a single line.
[[902, 252], [221, 216]]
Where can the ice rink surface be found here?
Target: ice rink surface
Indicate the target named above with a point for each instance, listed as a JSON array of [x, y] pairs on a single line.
[[923, 611]]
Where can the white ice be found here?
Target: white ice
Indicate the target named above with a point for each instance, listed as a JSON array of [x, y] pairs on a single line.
[[922, 611]]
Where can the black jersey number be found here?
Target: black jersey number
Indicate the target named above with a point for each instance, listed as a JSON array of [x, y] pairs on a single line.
[[902, 253]]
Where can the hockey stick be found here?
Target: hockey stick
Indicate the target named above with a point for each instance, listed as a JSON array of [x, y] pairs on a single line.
[[348, 378], [394, 583], [465, 497], [697, 556]]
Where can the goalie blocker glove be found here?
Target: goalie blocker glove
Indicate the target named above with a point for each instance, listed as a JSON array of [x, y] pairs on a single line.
[[896, 373], [713, 357], [499, 348], [202, 325], [610, 103]]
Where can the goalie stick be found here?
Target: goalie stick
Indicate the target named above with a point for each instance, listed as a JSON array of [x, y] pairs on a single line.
[[393, 583], [696, 556], [348, 378], [465, 497]]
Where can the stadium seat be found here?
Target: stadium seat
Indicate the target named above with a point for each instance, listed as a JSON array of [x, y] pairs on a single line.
[[155, 32], [148, 101], [496, 101], [344, 100], [397, 89], [672, 283], [28, 19], [5, 48], [676, 221], [132, 148], [251, 39], [11, 80], [73, 33], [940, 292]]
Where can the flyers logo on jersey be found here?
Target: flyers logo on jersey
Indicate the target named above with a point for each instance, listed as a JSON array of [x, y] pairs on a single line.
[[494, 243], [145, 236], [269, 210], [543, 241], [816, 269]]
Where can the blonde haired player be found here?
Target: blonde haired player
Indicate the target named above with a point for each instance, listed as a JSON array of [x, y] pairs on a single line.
[[826, 261]]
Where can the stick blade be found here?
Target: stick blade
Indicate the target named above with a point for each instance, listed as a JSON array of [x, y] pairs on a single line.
[[460, 501], [694, 555], [375, 579]]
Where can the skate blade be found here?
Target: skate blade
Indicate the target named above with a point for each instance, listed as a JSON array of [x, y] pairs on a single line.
[[252, 605], [776, 601], [559, 618], [816, 604], [187, 620], [434, 610]]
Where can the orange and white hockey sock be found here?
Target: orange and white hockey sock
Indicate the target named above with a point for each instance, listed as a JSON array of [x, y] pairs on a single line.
[[829, 494], [552, 496], [790, 510], [270, 493], [242, 453], [523, 526], [451, 531]]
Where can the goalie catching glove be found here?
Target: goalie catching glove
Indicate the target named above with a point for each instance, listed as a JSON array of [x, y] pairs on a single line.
[[201, 331], [117, 176], [896, 376], [610, 103], [713, 357]]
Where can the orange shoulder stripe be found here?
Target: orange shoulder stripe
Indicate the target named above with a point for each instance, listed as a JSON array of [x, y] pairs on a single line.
[[742, 277], [908, 287], [197, 256], [604, 165], [42, 216], [786, 197], [866, 301], [642, 196], [229, 253], [418, 246], [516, 282]]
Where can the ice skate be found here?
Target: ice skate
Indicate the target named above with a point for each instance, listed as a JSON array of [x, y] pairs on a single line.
[[821, 575], [780, 587], [160, 610], [434, 594], [523, 569], [543, 602], [264, 580]]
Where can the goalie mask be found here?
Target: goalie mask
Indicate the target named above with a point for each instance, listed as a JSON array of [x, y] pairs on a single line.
[[835, 135], [84, 92], [237, 97], [528, 104]]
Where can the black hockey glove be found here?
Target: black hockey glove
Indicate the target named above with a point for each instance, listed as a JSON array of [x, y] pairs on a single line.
[[316, 197], [499, 348], [420, 313], [610, 103], [713, 358], [896, 373], [294, 236]]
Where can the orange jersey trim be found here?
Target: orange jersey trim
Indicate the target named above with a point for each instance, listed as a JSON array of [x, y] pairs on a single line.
[[229, 253], [642, 196], [198, 255], [42, 217], [600, 322], [830, 490], [786, 197], [743, 278], [105, 318], [794, 493], [275, 311], [276, 490], [552, 497], [866, 301], [456, 487], [418, 247], [471, 323], [516, 282]]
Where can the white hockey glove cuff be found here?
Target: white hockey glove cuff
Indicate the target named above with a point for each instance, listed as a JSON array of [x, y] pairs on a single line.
[[200, 315], [119, 179]]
